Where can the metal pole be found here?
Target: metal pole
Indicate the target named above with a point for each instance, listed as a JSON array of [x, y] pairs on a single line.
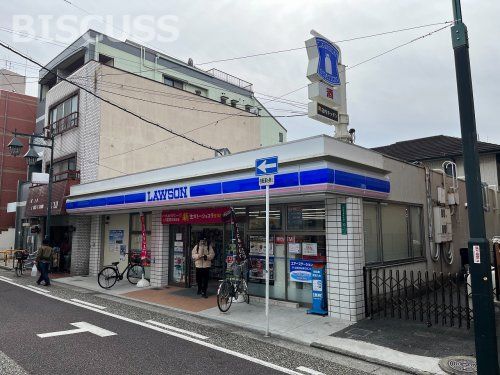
[[49, 204], [479, 248], [267, 260]]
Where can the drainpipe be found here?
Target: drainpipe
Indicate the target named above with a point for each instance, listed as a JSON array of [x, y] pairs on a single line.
[[4, 133]]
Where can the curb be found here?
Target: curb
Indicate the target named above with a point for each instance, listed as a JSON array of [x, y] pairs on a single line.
[[376, 361]]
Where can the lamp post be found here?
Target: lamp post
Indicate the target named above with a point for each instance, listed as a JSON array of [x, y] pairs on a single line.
[[31, 157], [479, 247]]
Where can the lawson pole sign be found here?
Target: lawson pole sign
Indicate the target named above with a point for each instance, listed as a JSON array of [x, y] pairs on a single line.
[[266, 166]]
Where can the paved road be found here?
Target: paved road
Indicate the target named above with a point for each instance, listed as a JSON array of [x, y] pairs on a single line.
[[192, 346]]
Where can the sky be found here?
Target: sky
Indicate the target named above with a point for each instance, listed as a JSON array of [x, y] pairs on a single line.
[[405, 94]]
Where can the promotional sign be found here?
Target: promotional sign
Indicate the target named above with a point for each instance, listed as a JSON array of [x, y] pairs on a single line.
[[343, 218], [310, 248], [323, 113], [294, 248], [328, 95], [144, 247], [300, 270], [258, 266], [319, 304], [212, 215]]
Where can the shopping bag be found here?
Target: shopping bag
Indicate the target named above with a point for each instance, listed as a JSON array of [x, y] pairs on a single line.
[[34, 270]]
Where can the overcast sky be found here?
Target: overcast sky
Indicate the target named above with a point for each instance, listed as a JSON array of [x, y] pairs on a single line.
[[409, 93]]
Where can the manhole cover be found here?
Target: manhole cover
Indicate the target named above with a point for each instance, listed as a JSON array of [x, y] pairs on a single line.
[[458, 365]]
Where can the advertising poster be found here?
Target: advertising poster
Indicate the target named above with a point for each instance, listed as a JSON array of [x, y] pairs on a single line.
[[301, 270], [123, 252], [294, 248], [310, 248], [258, 245], [257, 267], [178, 268], [115, 239]]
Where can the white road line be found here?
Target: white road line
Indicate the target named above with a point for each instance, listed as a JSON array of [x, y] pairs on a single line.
[[88, 304], [172, 328], [171, 333], [37, 289], [307, 370], [5, 278], [81, 328]]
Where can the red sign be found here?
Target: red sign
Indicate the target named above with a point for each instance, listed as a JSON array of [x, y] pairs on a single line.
[[213, 215], [144, 247]]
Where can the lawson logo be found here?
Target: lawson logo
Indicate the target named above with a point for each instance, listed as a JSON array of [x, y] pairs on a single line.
[[167, 194]]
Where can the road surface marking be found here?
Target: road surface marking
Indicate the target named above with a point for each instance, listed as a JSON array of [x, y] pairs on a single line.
[[171, 333], [88, 304], [5, 278], [37, 289], [82, 327], [172, 328], [307, 370]]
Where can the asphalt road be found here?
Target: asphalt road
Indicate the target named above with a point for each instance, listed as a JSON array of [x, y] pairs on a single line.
[[136, 346]]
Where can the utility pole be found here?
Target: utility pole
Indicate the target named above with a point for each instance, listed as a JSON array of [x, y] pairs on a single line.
[[479, 247]]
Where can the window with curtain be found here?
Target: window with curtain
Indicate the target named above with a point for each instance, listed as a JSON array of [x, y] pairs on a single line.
[[392, 232]]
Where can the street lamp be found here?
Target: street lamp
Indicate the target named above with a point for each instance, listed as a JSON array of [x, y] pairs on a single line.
[[31, 158]]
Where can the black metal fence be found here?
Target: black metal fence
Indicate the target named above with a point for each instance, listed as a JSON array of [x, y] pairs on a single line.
[[430, 297]]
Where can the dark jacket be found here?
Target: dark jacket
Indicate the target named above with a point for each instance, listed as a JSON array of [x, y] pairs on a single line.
[[45, 253]]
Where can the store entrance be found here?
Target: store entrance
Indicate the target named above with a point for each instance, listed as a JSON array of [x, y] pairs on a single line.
[[183, 239], [61, 241]]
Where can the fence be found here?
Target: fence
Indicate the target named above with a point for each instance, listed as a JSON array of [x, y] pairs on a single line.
[[430, 297]]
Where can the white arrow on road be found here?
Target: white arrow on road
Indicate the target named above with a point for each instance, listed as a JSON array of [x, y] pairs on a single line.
[[82, 327]]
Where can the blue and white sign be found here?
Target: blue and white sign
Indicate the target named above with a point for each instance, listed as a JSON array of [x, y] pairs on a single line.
[[266, 166], [301, 270], [328, 62]]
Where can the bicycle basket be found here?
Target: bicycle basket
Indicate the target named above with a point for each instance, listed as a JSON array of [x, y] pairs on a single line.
[[21, 255]]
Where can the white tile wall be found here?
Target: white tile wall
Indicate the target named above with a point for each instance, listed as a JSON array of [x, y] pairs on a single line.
[[345, 256], [159, 251]]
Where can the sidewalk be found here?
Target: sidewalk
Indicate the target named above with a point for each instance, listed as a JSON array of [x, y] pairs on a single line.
[[404, 345]]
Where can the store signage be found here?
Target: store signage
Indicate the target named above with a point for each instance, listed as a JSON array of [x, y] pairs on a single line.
[[266, 166], [324, 57], [319, 304], [300, 270], [214, 215], [266, 180], [343, 218], [321, 92], [167, 194], [476, 250]]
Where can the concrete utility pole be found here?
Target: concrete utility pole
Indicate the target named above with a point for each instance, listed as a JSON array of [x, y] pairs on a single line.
[[479, 248]]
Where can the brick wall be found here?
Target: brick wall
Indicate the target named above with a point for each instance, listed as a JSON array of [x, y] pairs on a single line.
[[96, 243], [345, 254], [159, 251], [80, 253]]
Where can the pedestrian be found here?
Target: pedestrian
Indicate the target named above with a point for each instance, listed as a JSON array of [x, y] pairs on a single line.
[[202, 254], [44, 259]]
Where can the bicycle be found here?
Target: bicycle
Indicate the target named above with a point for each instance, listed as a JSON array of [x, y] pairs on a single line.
[[232, 287], [25, 260], [109, 275]]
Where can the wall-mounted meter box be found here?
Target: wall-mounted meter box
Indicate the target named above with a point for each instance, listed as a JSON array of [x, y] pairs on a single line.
[[441, 195], [442, 224]]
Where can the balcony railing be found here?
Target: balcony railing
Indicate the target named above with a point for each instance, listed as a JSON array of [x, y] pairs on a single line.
[[230, 79], [66, 175], [68, 122]]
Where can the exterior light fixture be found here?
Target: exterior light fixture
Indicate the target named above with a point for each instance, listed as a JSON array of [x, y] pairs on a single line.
[[15, 147], [31, 156]]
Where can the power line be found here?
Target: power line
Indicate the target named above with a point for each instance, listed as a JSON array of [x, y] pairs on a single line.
[[6, 46]]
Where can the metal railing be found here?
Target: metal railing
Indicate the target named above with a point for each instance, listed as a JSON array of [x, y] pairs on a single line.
[[430, 297], [66, 175], [216, 73], [68, 122]]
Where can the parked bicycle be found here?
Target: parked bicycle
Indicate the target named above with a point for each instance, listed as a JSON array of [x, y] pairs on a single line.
[[109, 275], [232, 287], [24, 261]]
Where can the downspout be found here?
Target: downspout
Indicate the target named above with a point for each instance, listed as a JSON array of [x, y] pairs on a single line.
[[434, 248], [4, 133]]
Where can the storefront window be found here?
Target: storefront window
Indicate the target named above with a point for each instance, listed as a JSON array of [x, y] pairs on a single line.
[[306, 217], [257, 218], [370, 227], [394, 231]]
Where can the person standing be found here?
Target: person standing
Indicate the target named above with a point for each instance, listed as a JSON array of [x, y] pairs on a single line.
[[44, 259], [202, 255]]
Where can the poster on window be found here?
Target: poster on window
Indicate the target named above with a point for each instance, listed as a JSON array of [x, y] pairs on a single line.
[[258, 266], [123, 252], [178, 274], [258, 245], [294, 248], [301, 270], [115, 239], [309, 248]]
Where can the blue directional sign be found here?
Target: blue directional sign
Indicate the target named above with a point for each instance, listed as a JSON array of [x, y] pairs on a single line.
[[328, 60], [266, 166]]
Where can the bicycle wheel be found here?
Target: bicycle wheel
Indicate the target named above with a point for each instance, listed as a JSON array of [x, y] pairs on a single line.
[[244, 291], [107, 277], [224, 296], [134, 274], [19, 268]]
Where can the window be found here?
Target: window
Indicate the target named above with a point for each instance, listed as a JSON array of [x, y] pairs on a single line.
[[172, 82], [64, 115], [106, 60], [311, 217], [65, 169], [280, 137], [257, 218], [392, 232]]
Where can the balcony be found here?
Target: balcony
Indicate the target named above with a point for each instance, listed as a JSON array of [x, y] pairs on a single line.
[[216, 73], [66, 175], [64, 124]]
